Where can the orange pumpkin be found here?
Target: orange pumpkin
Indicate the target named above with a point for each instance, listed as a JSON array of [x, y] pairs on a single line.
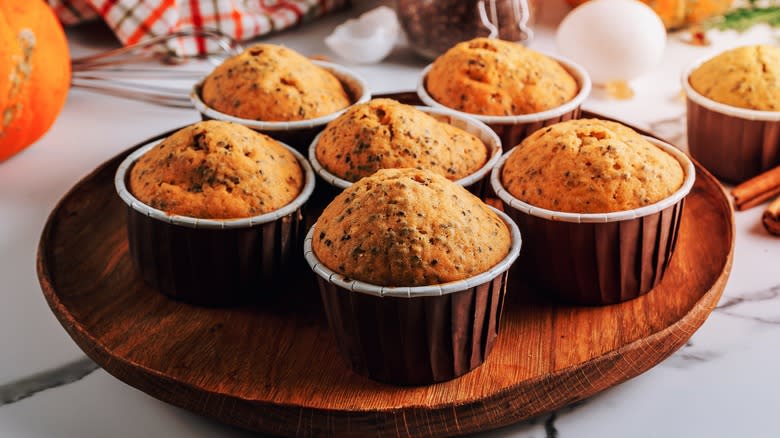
[[681, 13], [34, 73]]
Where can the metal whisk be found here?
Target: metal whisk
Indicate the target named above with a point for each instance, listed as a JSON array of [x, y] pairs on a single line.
[[127, 71]]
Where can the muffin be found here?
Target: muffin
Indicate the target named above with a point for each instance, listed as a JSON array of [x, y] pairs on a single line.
[[590, 166], [273, 83], [407, 227], [745, 77], [733, 111], [512, 89], [383, 133], [599, 207], [412, 271], [214, 213], [494, 77], [217, 170]]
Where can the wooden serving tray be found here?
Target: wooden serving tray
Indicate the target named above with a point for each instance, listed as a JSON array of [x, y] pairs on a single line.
[[277, 370]]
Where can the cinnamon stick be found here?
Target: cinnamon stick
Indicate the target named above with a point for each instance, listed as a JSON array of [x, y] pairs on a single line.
[[771, 217], [757, 189]]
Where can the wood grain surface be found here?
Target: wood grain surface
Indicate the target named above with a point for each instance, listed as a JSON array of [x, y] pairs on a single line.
[[276, 369]]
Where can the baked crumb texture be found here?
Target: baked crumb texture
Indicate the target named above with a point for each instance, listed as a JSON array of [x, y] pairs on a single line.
[[217, 170], [494, 77], [383, 133], [408, 227], [745, 77], [273, 83], [590, 166]]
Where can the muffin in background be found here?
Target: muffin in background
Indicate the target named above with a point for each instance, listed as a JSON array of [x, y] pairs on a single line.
[[494, 77], [217, 170], [408, 227], [590, 166], [745, 77], [733, 111], [384, 133], [273, 83]]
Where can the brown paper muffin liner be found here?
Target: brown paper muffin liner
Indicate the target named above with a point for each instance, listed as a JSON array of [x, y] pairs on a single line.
[[514, 129], [597, 263], [478, 183], [415, 335], [213, 262], [415, 341], [300, 133], [212, 266], [735, 144], [597, 259]]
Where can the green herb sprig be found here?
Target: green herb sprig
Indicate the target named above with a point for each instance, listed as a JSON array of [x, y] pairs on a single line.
[[741, 19]]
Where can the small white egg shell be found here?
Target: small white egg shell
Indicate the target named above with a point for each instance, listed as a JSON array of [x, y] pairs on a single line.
[[613, 39], [367, 39]]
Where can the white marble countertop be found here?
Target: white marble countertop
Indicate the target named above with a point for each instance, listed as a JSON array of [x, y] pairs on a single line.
[[724, 383]]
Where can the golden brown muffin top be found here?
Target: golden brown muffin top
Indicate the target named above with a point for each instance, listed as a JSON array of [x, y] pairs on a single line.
[[745, 77], [590, 166], [383, 134], [409, 227], [494, 77], [273, 83], [217, 170]]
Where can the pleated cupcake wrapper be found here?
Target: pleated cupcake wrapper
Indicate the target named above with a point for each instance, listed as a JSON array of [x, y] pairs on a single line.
[[514, 129], [299, 133], [598, 263], [415, 341], [477, 183], [208, 261], [735, 144], [210, 266], [600, 258], [415, 335]]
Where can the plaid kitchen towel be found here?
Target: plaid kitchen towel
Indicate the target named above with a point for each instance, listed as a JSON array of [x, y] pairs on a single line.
[[134, 20]]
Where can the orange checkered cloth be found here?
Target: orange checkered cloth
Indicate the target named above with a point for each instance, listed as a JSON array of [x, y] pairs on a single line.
[[134, 20]]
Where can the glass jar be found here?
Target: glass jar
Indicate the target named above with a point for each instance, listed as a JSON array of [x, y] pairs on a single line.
[[433, 26]]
